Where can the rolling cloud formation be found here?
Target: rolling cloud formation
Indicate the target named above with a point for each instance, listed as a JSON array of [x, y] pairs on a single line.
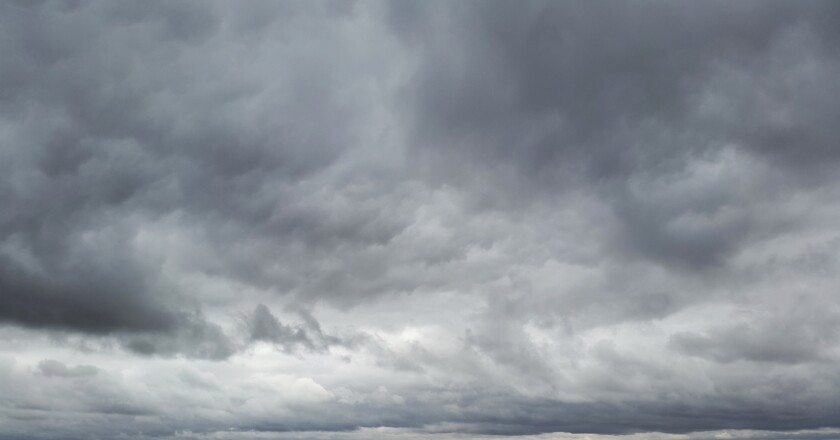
[[419, 219]]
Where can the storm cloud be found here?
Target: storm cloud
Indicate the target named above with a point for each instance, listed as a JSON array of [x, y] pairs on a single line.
[[419, 219]]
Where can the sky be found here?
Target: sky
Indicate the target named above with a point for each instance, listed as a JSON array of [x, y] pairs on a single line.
[[419, 219]]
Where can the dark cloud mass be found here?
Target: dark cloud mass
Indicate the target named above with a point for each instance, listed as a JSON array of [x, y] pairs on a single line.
[[419, 219]]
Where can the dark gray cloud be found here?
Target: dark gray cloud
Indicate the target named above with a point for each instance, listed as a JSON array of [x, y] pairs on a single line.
[[542, 99], [263, 326], [508, 218], [108, 126], [552, 65], [51, 368]]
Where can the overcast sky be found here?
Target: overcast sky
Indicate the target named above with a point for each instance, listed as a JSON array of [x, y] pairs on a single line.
[[410, 220]]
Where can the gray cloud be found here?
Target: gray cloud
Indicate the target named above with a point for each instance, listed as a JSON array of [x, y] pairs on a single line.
[[263, 326], [102, 137], [508, 219], [52, 368], [803, 332], [542, 99]]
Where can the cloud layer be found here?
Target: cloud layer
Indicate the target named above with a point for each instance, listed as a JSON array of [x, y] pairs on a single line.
[[419, 219]]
